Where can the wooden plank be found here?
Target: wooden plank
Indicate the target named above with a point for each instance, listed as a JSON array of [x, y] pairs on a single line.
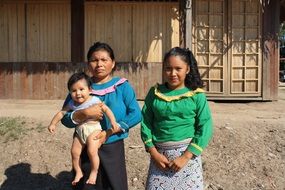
[[4, 32], [32, 33], [2, 79], [13, 32], [270, 64], [25, 81], [188, 24], [8, 80], [175, 28], [21, 42], [138, 53]]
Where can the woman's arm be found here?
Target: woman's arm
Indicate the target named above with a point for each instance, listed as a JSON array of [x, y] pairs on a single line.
[[133, 116], [147, 120], [203, 125], [93, 112], [72, 118]]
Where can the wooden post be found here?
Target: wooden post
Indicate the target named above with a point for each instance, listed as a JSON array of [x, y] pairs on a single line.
[[77, 30], [270, 50], [188, 24]]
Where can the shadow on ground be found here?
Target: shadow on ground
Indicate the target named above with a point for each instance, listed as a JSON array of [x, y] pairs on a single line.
[[19, 177]]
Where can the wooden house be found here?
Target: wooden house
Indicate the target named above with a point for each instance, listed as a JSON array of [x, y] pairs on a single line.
[[42, 42]]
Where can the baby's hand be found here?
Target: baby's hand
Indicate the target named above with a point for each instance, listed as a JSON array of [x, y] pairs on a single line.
[[115, 127], [52, 128]]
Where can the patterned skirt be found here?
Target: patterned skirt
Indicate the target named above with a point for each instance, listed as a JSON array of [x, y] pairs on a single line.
[[188, 178]]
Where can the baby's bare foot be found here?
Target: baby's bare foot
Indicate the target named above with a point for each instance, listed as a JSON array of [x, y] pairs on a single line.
[[92, 178], [77, 178]]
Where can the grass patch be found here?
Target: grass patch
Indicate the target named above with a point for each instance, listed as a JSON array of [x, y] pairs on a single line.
[[40, 128], [11, 128]]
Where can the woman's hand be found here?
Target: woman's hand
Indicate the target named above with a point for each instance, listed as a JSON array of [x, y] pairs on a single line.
[[102, 137], [160, 160], [115, 128], [178, 163], [93, 112]]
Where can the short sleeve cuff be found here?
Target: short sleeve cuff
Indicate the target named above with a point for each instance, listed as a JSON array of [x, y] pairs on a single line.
[[195, 149], [148, 143], [122, 129], [123, 126], [71, 117]]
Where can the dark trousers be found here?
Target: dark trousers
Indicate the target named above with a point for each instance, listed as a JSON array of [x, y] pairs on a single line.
[[112, 174]]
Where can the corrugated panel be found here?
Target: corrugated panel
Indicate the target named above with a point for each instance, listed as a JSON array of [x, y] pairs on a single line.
[[48, 32], [12, 30], [26, 80], [49, 80], [137, 32], [35, 31], [141, 76], [111, 24]]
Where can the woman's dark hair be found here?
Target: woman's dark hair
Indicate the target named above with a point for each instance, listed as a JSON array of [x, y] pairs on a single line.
[[78, 76], [97, 46], [193, 79]]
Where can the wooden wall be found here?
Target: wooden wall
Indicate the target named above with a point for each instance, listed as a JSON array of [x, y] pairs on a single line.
[[48, 80], [138, 32], [234, 41], [33, 31], [39, 61]]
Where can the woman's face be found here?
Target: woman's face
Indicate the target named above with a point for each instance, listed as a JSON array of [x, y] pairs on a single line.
[[175, 71], [101, 66]]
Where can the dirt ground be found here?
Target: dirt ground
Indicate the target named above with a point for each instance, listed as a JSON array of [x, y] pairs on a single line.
[[247, 150]]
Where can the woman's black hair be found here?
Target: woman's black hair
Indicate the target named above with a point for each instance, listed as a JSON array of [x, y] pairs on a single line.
[[79, 76], [97, 46], [193, 79]]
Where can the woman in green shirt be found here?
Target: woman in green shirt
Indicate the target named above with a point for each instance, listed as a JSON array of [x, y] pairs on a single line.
[[176, 125]]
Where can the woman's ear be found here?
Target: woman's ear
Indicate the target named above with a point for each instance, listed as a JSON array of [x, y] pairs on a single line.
[[113, 64], [188, 70]]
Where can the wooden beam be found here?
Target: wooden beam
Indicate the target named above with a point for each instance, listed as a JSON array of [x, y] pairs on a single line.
[[188, 24], [270, 75], [77, 30]]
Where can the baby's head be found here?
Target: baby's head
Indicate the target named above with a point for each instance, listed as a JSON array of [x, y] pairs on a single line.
[[79, 86]]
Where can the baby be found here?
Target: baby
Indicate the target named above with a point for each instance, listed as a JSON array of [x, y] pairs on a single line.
[[79, 86]]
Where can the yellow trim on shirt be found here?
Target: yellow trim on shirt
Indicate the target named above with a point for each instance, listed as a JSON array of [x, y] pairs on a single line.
[[147, 141], [171, 98], [197, 147]]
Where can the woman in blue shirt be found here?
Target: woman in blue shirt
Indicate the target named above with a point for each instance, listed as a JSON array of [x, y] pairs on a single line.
[[120, 97]]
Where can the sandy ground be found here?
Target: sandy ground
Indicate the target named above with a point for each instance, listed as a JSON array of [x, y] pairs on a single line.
[[247, 150]]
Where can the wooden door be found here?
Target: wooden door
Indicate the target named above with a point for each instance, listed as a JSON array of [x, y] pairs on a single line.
[[245, 51], [226, 43]]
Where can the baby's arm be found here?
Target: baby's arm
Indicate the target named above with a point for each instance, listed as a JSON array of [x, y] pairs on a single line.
[[110, 115], [56, 118]]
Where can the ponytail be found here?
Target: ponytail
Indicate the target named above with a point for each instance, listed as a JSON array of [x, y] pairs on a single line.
[[193, 79]]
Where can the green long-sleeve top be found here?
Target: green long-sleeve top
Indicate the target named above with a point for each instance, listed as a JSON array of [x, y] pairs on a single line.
[[176, 115]]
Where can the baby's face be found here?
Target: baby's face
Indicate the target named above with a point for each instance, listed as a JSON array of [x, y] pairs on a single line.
[[80, 92]]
